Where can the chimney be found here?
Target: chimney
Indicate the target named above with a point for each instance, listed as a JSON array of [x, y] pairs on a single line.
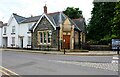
[[45, 9]]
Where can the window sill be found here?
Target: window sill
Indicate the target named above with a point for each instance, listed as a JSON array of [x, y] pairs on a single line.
[[44, 44], [12, 33], [12, 44], [4, 34], [28, 45], [28, 32]]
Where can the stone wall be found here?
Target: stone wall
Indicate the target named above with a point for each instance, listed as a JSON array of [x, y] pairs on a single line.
[[43, 25]]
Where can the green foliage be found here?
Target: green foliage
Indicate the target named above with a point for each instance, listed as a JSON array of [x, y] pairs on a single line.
[[72, 12], [116, 21], [100, 25]]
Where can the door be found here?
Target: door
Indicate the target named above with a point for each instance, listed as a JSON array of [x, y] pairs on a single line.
[[5, 42], [66, 43], [21, 42]]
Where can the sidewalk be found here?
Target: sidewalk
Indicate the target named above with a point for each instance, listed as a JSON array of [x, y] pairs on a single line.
[[89, 53]]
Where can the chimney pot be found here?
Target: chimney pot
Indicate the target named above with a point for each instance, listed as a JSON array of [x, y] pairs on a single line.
[[45, 9]]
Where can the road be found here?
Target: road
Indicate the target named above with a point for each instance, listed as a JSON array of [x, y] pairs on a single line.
[[24, 63]]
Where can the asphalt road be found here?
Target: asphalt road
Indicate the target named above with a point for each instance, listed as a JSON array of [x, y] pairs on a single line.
[[24, 63]]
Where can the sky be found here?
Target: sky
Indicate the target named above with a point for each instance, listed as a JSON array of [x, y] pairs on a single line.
[[26, 8]]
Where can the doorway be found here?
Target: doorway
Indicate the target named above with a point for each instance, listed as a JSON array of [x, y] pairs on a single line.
[[4, 42], [66, 44], [21, 42]]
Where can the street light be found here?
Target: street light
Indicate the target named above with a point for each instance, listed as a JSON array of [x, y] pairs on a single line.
[[64, 45], [118, 47]]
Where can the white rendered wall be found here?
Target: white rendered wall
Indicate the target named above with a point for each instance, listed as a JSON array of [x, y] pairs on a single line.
[[25, 33], [12, 22]]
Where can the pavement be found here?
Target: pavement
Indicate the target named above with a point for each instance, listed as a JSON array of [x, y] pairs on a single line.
[[89, 53]]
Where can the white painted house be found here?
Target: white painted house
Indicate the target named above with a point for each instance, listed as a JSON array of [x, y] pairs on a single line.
[[16, 32]]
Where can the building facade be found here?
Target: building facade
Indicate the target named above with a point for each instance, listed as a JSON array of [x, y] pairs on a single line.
[[49, 30]]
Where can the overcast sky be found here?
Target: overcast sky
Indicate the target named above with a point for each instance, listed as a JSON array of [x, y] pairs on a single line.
[[27, 8]]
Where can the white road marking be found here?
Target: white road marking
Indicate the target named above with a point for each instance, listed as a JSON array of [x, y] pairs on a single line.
[[7, 71], [105, 66]]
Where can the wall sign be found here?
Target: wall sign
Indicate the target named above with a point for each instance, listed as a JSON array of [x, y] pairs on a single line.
[[115, 43]]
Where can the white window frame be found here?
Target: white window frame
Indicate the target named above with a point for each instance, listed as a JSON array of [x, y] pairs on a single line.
[[44, 37], [49, 37], [13, 40], [13, 29], [41, 37]]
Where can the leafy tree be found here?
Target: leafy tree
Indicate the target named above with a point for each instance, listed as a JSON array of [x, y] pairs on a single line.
[[116, 21], [99, 27], [72, 12]]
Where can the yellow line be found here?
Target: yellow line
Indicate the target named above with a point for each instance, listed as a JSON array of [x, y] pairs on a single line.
[[8, 70], [4, 72]]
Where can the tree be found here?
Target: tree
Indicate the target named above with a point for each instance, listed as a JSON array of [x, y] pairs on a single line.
[[100, 24], [116, 21], [72, 12]]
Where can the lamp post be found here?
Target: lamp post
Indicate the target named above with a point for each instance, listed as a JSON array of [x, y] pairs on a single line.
[[64, 45], [118, 48]]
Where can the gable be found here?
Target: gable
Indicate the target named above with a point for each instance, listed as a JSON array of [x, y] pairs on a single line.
[[67, 22], [12, 21], [44, 24], [67, 25], [44, 15]]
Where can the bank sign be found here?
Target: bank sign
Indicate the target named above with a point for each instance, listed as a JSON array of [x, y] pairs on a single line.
[[115, 43]]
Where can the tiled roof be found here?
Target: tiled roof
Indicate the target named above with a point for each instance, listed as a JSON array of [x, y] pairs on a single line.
[[59, 17], [31, 19], [80, 22], [56, 18], [18, 18]]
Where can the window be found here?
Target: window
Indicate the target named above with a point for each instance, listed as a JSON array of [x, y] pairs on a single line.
[[41, 39], [4, 30], [13, 40], [29, 40], [44, 37], [48, 37], [13, 29]]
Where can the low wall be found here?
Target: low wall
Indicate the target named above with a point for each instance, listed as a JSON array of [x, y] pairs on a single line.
[[99, 47]]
